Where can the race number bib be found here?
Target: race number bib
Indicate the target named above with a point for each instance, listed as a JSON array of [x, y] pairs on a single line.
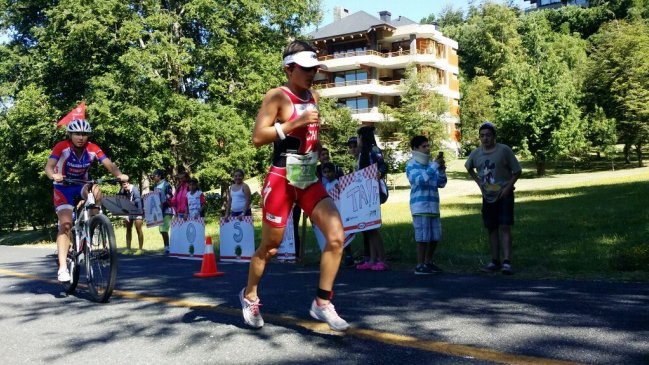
[[301, 169]]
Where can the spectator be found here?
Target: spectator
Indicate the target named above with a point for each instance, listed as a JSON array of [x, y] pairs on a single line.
[[329, 178], [179, 200], [352, 148], [368, 155], [425, 178], [166, 193], [195, 200], [498, 171], [238, 202], [133, 194], [324, 158]]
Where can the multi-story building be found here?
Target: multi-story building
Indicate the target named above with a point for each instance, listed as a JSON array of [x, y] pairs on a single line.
[[550, 4], [367, 58]]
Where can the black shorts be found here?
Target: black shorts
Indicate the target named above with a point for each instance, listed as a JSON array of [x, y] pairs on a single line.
[[500, 213]]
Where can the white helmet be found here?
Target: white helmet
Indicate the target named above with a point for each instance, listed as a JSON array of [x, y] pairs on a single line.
[[79, 126]]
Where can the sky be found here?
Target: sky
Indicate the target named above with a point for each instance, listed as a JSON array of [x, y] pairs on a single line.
[[412, 9]]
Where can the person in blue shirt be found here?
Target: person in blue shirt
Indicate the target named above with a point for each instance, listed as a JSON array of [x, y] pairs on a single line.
[[425, 177]]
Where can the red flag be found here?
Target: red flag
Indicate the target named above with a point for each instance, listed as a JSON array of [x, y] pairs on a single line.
[[77, 113]]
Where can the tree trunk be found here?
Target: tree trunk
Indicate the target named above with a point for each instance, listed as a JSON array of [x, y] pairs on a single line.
[[627, 148], [540, 164]]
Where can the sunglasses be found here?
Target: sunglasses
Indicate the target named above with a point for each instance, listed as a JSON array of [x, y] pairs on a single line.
[[80, 133], [308, 69]]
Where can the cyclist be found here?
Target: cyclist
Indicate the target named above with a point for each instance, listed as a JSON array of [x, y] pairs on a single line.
[[71, 159]]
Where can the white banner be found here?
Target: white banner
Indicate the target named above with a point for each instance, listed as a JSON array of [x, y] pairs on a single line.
[[357, 199], [187, 240], [120, 205], [237, 239], [286, 250], [152, 209]]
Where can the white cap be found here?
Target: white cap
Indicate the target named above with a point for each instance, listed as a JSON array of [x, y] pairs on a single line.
[[304, 59]]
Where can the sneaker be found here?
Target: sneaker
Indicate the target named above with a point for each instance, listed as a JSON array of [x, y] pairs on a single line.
[[434, 268], [364, 266], [491, 267], [127, 251], [250, 310], [423, 270], [327, 313], [64, 276], [166, 251], [379, 266], [507, 269], [138, 252]]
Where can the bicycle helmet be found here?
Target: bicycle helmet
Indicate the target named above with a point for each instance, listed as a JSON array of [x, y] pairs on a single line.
[[79, 126]]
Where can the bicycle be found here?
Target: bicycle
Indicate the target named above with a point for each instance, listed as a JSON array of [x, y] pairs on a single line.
[[93, 236]]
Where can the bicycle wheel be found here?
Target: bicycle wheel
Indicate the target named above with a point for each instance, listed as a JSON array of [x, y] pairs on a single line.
[[101, 258], [73, 267]]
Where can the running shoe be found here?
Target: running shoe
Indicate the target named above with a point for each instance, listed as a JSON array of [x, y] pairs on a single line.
[[379, 266], [250, 311], [64, 276], [327, 313], [138, 252]]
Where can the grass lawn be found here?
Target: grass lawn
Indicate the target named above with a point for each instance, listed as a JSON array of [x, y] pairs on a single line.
[[591, 225]]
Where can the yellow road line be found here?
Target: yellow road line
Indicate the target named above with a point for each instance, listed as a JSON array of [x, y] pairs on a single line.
[[367, 334]]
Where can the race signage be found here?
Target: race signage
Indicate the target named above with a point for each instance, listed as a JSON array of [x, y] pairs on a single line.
[[237, 239], [152, 209], [357, 199], [187, 240]]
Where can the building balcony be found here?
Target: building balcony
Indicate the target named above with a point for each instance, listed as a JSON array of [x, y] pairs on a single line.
[[348, 89], [390, 60]]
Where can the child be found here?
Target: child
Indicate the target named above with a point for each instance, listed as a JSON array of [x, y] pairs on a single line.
[[195, 200], [425, 178], [329, 172]]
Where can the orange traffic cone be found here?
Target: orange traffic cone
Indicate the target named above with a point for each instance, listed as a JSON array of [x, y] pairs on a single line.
[[208, 268]]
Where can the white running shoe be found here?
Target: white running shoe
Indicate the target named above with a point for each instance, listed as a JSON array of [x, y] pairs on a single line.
[[250, 311], [64, 275], [327, 313]]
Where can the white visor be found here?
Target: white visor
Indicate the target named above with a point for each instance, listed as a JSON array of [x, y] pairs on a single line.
[[304, 59]]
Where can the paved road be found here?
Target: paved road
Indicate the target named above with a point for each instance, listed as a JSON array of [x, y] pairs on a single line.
[[161, 314]]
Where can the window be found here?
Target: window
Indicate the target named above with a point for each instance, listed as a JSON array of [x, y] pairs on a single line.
[[350, 77], [357, 103]]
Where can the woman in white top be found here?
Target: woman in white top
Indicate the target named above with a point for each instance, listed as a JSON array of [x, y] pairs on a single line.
[[238, 197]]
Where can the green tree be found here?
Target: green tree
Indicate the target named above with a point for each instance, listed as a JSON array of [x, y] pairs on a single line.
[[422, 110], [619, 80], [538, 106], [477, 106], [337, 127], [601, 132], [173, 84]]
